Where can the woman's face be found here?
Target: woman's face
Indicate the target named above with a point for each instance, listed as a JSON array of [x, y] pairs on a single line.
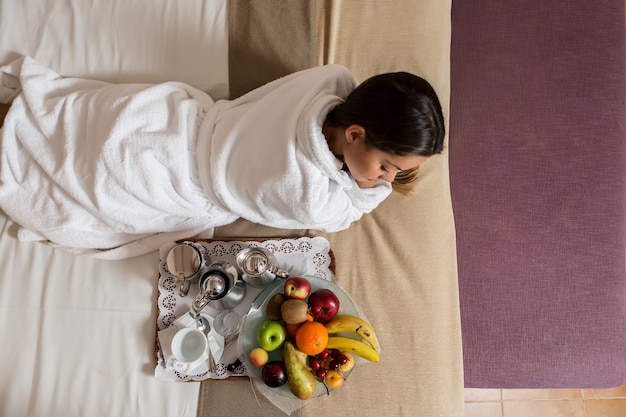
[[368, 165]]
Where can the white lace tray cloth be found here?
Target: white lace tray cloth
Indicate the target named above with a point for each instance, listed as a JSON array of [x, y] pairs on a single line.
[[307, 256]]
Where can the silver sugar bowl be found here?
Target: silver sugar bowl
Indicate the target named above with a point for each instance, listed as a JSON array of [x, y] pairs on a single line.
[[259, 267]]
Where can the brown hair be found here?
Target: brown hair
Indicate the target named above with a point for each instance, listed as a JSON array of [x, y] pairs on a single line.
[[401, 115]]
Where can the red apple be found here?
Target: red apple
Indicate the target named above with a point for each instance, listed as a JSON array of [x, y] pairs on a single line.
[[258, 357], [297, 287], [323, 304]]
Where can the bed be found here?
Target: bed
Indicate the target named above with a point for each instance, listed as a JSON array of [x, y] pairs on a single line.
[[79, 333]]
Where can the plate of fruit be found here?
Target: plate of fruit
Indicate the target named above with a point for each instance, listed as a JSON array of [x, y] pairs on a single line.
[[303, 335]]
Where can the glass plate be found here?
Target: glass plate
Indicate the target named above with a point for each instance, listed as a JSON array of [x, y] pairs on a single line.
[[256, 316]]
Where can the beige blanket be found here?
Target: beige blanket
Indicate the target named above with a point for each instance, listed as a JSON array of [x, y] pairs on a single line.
[[399, 262]]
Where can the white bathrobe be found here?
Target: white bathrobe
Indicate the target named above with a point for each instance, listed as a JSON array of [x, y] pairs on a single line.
[[116, 170]]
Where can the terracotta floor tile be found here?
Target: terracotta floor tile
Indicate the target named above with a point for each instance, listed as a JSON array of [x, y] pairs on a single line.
[[615, 407], [483, 409], [606, 393], [541, 394], [544, 408], [478, 395]]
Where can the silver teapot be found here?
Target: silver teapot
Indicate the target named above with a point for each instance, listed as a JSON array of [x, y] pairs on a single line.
[[219, 285]]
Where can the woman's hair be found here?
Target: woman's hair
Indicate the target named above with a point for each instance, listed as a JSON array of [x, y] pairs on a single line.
[[401, 115]]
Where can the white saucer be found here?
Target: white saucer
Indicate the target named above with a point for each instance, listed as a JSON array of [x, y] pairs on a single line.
[[202, 368]]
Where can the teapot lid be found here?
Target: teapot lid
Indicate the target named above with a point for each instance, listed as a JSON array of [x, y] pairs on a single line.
[[214, 284]]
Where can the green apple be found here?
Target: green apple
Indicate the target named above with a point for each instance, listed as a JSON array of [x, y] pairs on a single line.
[[271, 335]]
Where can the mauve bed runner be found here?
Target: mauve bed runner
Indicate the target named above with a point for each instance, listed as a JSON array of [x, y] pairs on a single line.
[[537, 175]]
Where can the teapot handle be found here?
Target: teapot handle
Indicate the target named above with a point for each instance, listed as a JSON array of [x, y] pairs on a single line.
[[198, 304]]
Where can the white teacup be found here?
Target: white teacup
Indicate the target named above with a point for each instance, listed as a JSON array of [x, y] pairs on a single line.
[[190, 349]]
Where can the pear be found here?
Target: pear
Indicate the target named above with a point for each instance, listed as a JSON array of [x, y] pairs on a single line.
[[300, 380]]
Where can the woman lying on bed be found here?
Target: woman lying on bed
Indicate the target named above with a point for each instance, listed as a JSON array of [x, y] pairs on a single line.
[[88, 165]]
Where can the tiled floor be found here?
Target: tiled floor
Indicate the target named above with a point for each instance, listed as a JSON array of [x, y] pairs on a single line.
[[545, 403]]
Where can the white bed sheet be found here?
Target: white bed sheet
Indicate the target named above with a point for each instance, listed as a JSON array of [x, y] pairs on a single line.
[[78, 333], [122, 41]]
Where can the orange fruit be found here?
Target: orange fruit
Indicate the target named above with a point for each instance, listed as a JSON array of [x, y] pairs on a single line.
[[292, 329], [311, 337]]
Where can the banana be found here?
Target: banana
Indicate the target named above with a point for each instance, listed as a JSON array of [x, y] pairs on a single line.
[[354, 325], [357, 347]]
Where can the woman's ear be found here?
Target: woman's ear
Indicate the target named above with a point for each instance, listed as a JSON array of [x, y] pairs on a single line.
[[355, 133]]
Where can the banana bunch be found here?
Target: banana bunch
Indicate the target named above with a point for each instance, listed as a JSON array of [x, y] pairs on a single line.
[[358, 327]]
